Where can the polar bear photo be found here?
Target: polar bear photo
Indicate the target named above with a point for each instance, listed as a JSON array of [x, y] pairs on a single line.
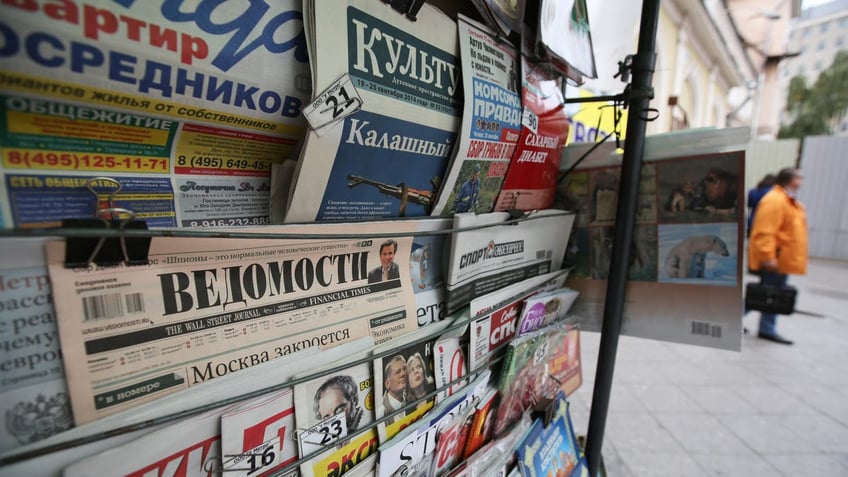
[[699, 253]]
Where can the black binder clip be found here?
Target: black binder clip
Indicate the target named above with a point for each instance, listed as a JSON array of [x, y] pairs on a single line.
[[80, 252]]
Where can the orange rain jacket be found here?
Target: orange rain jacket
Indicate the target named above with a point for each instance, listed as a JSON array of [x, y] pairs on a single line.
[[779, 233]]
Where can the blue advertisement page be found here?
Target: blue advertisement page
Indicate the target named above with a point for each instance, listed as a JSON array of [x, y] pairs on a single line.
[[42, 200], [385, 167]]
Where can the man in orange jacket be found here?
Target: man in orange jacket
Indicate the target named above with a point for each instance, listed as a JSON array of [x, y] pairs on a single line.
[[778, 243]]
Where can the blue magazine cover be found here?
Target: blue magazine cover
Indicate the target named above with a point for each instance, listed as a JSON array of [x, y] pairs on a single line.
[[551, 451]]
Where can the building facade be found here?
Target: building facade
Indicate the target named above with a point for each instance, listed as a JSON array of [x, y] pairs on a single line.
[[817, 35]]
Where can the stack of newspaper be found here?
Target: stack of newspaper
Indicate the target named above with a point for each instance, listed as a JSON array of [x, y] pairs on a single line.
[[385, 111]]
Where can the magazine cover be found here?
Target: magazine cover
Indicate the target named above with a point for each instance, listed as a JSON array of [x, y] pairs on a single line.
[[204, 308], [451, 438], [516, 292], [488, 259], [388, 158], [329, 408], [537, 366], [531, 180], [190, 448], [564, 32], [33, 394], [186, 105], [491, 122], [404, 377], [345, 457], [412, 451], [551, 450], [482, 424], [688, 241], [257, 436], [544, 309]]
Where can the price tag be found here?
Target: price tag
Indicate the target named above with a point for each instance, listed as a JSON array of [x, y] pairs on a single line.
[[336, 102], [256, 461], [530, 120], [323, 434]]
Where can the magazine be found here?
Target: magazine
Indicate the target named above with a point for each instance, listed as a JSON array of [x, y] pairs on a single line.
[[488, 259], [491, 122], [257, 436], [186, 107], [386, 159], [33, 391], [690, 211], [500, 453], [190, 448], [412, 451], [404, 377], [543, 309], [482, 424], [202, 310], [550, 450], [345, 457], [329, 408], [537, 366], [451, 438], [531, 180]]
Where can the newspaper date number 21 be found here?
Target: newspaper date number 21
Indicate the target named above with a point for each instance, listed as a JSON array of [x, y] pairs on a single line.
[[334, 103]]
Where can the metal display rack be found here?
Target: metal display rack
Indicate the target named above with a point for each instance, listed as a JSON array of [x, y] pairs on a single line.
[[637, 96]]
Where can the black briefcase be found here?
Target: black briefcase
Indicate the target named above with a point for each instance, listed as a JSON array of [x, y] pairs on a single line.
[[770, 298]]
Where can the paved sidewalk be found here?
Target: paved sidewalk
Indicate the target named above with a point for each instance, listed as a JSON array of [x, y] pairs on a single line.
[[770, 410]]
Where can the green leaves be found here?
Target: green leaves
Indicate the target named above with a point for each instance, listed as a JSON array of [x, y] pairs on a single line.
[[816, 110]]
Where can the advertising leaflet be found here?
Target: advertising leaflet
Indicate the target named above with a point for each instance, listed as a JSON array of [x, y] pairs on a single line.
[[565, 34], [688, 241], [496, 316], [33, 392], [537, 366], [344, 458], [388, 157], [186, 112], [427, 269], [491, 122], [413, 449], [190, 448], [404, 377], [332, 407], [531, 180], [551, 450], [449, 360], [544, 309], [203, 309], [257, 437], [491, 258]]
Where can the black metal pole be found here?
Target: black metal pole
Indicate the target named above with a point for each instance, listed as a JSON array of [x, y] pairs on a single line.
[[634, 145]]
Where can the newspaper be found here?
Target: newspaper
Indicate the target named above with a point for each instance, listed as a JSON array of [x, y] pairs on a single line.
[[257, 437], [565, 33], [204, 308], [485, 260], [386, 159], [190, 448], [427, 264], [185, 109], [690, 211], [531, 180], [491, 122], [33, 392], [449, 361]]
